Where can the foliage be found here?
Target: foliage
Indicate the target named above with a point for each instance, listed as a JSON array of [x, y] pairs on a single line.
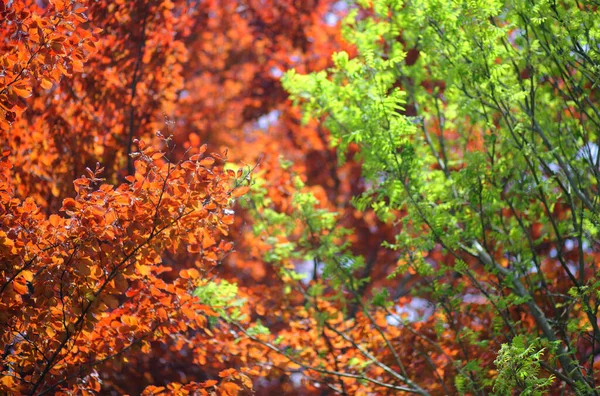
[[421, 216], [475, 125], [87, 287], [98, 271], [519, 366], [220, 297]]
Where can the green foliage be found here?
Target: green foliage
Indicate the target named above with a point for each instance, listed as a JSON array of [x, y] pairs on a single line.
[[258, 329], [490, 131], [519, 368], [222, 298], [319, 241]]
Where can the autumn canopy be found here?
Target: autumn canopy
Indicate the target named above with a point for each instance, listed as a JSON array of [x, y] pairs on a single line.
[[237, 197]]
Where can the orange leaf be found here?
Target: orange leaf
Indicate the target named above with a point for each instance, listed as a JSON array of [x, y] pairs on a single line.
[[58, 4], [77, 65], [7, 381], [230, 389], [162, 314], [207, 240], [143, 270], [209, 383], [22, 91], [54, 220], [69, 204], [193, 248], [238, 192], [227, 372], [89, 45], [191, 273], [46, 83], [20, 286], [27, 275], [207, 161], [252, 371]]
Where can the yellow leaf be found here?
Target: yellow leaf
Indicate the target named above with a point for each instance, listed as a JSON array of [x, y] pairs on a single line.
[[7, 381], [27, 275], [143, 270], [246, 381]]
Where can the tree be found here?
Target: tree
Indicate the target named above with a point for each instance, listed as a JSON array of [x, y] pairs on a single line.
[[475, 124], [420, 217], [84, 289], [79, 83]]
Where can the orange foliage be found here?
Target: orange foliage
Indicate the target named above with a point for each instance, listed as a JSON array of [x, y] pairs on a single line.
[[87, 287], [98, 262]]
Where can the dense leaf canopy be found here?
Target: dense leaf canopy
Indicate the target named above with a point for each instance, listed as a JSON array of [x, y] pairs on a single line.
[[299, 197]]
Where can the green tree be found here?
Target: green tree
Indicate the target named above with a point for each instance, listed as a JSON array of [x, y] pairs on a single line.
[[519, 366], [476, 123]]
